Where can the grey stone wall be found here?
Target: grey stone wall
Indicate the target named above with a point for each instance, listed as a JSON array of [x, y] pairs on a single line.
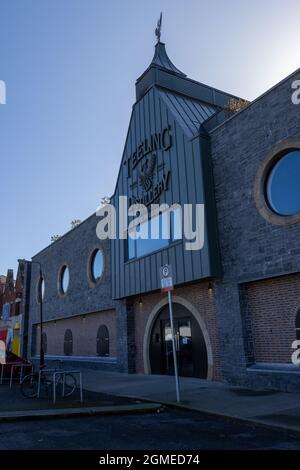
[[251, 247], [82, 297]]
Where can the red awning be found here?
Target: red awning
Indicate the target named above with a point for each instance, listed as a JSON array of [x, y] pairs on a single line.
[[3, 334]]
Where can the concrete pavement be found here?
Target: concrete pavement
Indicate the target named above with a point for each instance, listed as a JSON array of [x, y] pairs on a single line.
[[14, 407], [265, 407]]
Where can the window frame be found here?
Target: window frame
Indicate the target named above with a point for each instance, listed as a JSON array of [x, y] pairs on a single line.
[[92, 281], [61, 272], [261, 179], [170, 242]]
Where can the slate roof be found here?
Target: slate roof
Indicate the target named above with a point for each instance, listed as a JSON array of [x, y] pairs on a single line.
[[188, 112]]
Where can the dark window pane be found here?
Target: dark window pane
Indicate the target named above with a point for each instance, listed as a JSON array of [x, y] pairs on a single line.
[[283, 185], [103, 341], [68, 343]]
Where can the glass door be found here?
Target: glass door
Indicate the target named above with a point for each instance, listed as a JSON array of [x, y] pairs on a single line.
[[184, 347]]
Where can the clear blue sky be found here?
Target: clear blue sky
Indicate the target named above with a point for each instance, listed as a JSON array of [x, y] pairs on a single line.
[[70, 68]]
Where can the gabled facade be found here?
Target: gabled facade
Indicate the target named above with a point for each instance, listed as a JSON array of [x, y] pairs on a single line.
[[236, 300], [166, 135]]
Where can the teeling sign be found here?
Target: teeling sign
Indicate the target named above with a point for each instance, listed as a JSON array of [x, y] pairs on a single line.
[[150, 196], [145, 154], [157, 141]]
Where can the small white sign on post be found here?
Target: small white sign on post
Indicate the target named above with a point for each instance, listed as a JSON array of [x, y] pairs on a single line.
[[166, 282], [166, 278]]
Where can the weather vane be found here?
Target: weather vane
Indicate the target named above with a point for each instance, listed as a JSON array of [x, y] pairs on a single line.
[[158, 28]]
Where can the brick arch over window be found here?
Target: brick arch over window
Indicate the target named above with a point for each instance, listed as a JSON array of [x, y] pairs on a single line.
[[68, 343], [297, 325], [103, 341]]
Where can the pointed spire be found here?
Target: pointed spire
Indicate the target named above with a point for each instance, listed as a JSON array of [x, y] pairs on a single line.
[[159, 64], [161, 60]]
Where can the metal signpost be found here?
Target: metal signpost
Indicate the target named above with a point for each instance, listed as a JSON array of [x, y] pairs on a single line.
[[166, 280]]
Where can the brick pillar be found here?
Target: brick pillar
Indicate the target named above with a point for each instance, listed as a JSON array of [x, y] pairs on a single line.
[[125, 335], [231, 332]]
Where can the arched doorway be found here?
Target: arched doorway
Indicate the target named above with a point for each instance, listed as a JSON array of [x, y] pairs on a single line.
[[190, 344]]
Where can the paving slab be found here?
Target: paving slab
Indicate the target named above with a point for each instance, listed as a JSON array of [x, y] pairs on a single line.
[[271, 408], [13, 406]]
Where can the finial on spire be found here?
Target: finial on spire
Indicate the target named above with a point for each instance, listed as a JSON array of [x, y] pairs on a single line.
[[158, 28]]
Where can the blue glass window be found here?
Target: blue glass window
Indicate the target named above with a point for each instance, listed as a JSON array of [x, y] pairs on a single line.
[[97, 264], [157, 233], [64, 279], [283, 185]]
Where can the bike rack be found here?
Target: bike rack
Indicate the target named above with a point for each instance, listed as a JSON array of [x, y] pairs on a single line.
[[12, 365], [43, 371], [64, 373]]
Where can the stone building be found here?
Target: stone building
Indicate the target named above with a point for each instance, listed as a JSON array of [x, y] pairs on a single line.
[[237, 299], [80, 317]]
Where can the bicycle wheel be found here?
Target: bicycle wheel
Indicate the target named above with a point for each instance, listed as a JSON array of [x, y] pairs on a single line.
[[70, 384], [29, 386]]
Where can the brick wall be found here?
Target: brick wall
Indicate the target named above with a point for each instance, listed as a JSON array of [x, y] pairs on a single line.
[[272, 308], [84, 329], [251, 247], [203, 300]]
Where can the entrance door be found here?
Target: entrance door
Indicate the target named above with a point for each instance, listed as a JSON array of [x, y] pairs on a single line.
[[190, 344], [183, 344]]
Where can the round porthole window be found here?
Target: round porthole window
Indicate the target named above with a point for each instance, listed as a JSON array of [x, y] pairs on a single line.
[[97, 265], [277, 184], [40, 290], [283, 185], [64, 279]]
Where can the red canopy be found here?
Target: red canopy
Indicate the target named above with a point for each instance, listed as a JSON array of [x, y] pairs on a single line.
[[3, 334]]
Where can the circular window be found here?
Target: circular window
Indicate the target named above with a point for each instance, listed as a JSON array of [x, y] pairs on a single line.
[[64, 279], [40, 290], [277, 184], [283, 185], [97, 265]]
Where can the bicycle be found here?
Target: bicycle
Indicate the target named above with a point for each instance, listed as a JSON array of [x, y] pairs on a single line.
[[35, 384]]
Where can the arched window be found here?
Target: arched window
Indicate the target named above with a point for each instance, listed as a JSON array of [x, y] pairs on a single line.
[[297, 325], [44, 342], [103, 341], [68, 343]]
